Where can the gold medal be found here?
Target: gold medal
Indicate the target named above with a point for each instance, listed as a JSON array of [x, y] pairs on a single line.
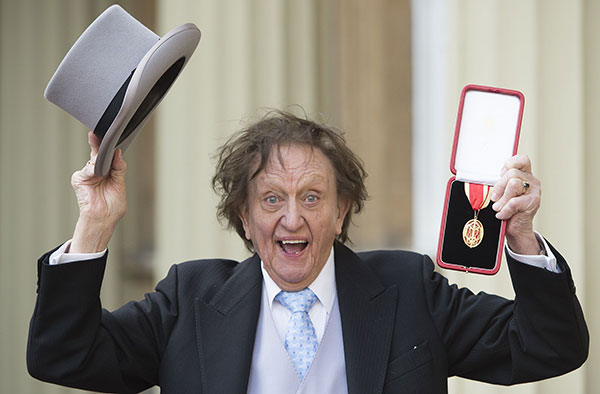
[[473, 233], [479, 198]]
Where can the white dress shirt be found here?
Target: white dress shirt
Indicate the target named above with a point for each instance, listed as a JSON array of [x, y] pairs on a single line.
[[324, 288]]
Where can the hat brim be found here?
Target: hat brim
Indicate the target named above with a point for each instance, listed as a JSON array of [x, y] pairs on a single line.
[[147, 86]]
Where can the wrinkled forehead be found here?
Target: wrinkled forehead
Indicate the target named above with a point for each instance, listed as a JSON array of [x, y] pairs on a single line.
[[290, 158]]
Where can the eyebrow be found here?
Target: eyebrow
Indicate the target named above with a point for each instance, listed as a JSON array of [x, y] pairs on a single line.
[[304, 182]]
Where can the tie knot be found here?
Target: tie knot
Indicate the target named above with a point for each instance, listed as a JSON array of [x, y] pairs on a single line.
[[297, 301]]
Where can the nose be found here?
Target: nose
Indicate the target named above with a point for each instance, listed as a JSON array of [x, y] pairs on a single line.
[[292, 218]]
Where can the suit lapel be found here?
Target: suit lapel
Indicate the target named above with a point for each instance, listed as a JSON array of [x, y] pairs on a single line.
[[368, 312], [226, 325], [226, 328]]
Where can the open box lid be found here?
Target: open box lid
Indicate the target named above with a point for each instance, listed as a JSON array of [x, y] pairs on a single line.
[[487, 132]]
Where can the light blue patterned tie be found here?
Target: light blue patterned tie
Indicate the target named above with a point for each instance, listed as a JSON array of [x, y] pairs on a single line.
[[300, 337]]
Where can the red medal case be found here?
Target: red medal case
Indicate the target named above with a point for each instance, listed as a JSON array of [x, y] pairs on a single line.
[[486, 135]]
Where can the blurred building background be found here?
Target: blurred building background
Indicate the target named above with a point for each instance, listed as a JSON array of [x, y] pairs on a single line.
[[388, 72]]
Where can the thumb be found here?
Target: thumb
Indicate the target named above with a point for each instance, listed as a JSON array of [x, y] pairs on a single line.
[[118, 166]]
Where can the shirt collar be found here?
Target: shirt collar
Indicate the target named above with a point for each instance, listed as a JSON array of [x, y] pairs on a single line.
[[323, 286]]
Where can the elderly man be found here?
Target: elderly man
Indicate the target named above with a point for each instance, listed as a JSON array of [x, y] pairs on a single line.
[[304, 314]]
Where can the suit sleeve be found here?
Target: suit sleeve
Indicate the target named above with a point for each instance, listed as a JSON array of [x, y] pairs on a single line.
[[542, 333], [74, 342]]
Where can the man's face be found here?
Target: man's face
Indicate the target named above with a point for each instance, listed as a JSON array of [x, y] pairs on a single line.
[[293, 215]]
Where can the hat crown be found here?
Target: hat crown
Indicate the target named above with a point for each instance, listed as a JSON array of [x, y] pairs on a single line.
[[98, 64], [115, 75]]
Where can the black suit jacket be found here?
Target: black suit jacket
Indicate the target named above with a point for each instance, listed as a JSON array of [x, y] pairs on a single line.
[[405, 328]]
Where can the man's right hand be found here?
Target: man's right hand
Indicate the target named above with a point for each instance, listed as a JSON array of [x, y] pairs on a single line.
[[102, 201]]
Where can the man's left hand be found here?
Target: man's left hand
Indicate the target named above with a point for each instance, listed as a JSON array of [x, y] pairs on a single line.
[[517, 199]]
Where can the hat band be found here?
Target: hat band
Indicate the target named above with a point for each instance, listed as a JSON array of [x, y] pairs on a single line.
[[154, 96], [112, 110]]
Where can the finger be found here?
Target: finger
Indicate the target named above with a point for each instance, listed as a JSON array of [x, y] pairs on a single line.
[[498, 189], [515, 205], [88, 170], [520, 162], [118, 164], [94, 142], [514, 188], [500, 186], [84, 175]]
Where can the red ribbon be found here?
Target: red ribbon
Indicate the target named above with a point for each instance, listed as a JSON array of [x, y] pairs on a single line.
[[478, 195]]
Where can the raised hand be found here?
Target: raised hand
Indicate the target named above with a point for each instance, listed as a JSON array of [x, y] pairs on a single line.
[[517, 199], [102, 201]]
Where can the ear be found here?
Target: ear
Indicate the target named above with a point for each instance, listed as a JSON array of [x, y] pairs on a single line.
[[243, 215], [342, 210]]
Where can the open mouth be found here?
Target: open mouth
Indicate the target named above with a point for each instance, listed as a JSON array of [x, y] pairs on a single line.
[[293, 247]]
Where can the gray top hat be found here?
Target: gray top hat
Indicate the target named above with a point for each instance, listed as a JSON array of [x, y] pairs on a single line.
[[115, 75]]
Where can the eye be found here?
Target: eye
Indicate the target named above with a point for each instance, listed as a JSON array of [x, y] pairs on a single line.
[[311, 199], [272, 200]]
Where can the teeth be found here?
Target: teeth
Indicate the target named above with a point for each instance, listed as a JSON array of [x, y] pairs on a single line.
[[293, 242]]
